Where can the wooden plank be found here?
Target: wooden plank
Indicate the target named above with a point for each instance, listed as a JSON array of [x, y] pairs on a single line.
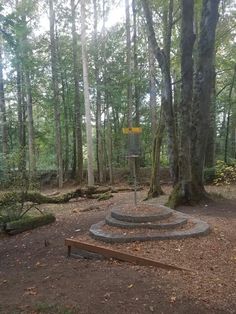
[[122, 256], [132, 130]]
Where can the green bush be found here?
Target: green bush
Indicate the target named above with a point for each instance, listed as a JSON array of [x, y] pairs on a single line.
[[225, 173]]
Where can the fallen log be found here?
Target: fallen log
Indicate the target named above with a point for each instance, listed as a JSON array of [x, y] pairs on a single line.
[[28, 223], [100, 193]]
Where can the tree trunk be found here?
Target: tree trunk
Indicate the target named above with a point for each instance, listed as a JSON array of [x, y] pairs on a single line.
[[183, 191], [100, 157], [228, 115], [211, 141], [56, 99], [155, 189], [153, 92], [31, 136], [202, 91], [86, 97], [66, 123], [3, 112], [128, 63], [109, 146], [21, 118], [163, 58], [77, 104]]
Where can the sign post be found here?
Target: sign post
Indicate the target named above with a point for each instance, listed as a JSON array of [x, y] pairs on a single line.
[[133, 152]]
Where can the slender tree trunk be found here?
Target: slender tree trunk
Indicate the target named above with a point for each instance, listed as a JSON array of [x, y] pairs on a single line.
[[24, 47], [108, 138], [100, 157], [155, 189], [86, 97], [31, 136], [109, 151], [21, 116], [163, 58], [77, 104], [183, 192], [56, 98], [228, 116], [211, 141], [128, 63], [66, 125], [153, 92], [3, 111], [136, 78]]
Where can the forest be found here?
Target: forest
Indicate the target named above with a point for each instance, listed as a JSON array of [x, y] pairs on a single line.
[[73, 74], [117, 156]]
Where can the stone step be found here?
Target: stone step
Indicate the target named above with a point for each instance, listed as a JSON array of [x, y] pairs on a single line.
[[141, 213], [175, 220], [101, 231]]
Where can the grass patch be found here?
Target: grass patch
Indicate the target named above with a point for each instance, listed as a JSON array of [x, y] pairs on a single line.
[[44, 308]]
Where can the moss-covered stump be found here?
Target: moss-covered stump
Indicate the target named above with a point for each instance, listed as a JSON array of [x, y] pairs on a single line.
[[28, 223]]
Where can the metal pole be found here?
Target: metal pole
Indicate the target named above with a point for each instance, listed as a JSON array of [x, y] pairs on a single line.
[[135, 182]]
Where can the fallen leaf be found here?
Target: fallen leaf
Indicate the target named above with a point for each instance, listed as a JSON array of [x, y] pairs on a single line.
[[130, 286], [173, 299], [31, 291]]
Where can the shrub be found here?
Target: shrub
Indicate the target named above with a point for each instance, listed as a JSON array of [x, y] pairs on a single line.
[[225, 173]]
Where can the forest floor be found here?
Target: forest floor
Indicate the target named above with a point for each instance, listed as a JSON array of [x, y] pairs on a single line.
[[37, 277]]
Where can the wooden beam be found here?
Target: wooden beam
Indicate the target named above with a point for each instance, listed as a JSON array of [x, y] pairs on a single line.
[[122, 256]]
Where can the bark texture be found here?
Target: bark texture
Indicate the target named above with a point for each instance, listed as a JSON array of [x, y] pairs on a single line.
[[202, 90], [185, 108]]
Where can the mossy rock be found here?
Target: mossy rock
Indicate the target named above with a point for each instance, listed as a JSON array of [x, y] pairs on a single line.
[[28, 223]]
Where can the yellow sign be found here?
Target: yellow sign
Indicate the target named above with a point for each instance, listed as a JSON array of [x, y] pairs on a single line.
[[132, 130]]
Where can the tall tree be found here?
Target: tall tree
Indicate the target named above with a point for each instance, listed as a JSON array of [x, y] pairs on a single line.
[[202, 91], [100, 156], [3, 107], [183, 190], [77, 104], [162, 57], [56, 93], [29, 99], [86, 96]]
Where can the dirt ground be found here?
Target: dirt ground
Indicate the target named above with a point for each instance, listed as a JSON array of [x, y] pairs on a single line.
[[37, 277]]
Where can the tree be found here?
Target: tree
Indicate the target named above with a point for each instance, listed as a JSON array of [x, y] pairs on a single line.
[[162, 57], [86, 97], [77, 104], [56, 99], [97, 70], [3, 109], [184, 189], [202, 92]]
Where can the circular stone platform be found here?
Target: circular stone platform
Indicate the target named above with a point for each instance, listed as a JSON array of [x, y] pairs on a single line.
[[170, 223], [146, 222], [140, 213]]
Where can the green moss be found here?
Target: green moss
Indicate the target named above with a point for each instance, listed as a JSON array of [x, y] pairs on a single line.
[[28, 222], [105, 196]]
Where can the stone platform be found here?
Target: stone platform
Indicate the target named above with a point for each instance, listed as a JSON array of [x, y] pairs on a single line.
[[146, 222]]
